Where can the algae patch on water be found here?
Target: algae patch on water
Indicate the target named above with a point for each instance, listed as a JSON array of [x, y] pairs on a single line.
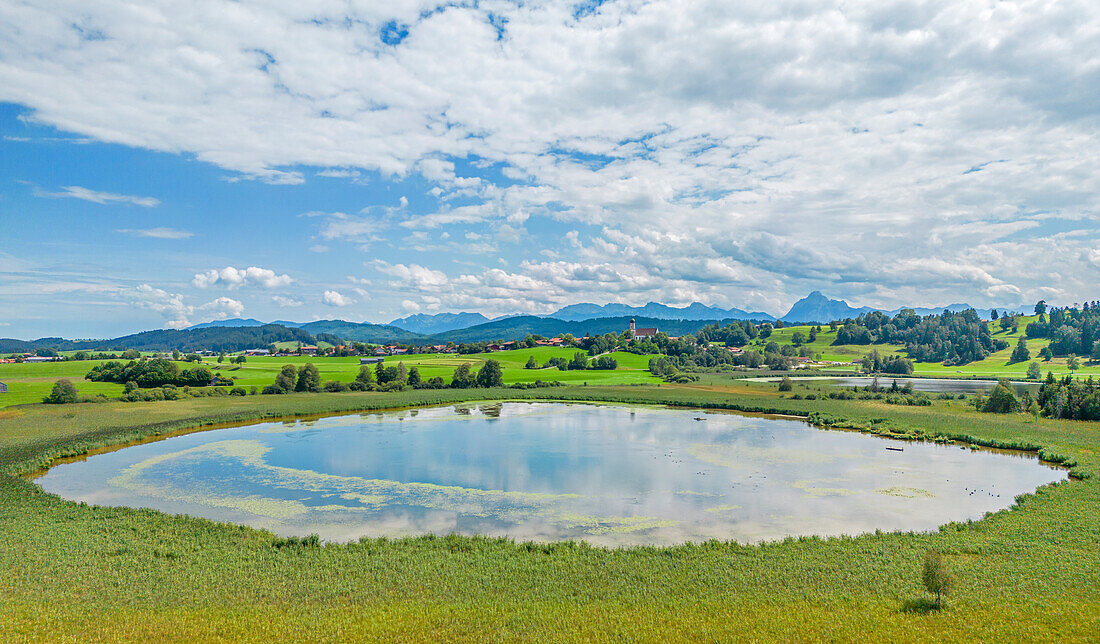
[[906, 492], [812, 487]]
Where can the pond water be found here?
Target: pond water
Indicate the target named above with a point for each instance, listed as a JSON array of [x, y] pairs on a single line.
[[930, 385], [611, 475]]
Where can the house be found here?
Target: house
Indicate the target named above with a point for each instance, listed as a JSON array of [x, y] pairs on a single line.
[[257, 352], [308, 351], [3, 388], [646, 333], [370, 360]]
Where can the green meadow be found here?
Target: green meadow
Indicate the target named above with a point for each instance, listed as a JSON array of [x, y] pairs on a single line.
[[78, 572], [28, 383], [996, 365]]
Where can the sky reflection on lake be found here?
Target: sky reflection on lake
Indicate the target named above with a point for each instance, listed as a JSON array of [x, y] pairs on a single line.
[[611, 475]]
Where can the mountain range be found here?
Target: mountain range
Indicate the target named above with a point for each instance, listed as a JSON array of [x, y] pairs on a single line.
[[655, 310], [438, 323], [815, 307], [440, 328]]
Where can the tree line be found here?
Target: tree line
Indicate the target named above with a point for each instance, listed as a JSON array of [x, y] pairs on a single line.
[[384, 377], [153, 372]]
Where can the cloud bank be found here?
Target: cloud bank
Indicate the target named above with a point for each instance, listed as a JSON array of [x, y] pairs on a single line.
[[889, 152]]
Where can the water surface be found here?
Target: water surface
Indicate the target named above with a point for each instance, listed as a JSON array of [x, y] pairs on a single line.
[[611, 475]]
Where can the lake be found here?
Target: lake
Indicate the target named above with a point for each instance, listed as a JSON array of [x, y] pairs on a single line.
[[611, 475]]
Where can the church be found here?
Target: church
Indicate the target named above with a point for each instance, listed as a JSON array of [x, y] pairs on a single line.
[[647, 333]]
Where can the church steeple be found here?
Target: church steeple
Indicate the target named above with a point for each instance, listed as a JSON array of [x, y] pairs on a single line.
[[631, 326]]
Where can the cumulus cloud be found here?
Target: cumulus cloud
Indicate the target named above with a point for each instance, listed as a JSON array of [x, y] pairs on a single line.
[[233, 278], [334, 298], [737, 152], [177, 312], [286, 301]]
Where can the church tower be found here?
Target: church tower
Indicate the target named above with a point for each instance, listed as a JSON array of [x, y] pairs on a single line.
[[631, 326]]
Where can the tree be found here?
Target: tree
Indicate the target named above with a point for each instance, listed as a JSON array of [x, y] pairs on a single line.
[[531, 363], [461, 379], [1040, 308], [785, 384], [993, 314], [937, 579], [798, 339], [1033, 371], [221, 358], [309, 378], [1095, 354], [1020, 353], [414, 377], [579, 361], [366, 376], [379, 373], [1073, 364], [402, 373], [285, 380], [490, 374], [175, 354], [605, 362], [1001, 400], [63, 392]]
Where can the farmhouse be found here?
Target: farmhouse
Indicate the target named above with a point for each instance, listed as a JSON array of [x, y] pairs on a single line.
[[370, 360], [308, 351], [3, 388], [646, 333]]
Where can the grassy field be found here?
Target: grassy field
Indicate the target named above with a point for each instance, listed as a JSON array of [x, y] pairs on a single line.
[[76, 572], [996, 365], [632, 368], [28, 383]]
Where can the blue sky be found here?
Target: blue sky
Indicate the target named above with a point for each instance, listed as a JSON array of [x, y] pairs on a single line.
[[164, 165]]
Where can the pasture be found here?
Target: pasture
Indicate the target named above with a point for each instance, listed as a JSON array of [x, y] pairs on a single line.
[[28, 383]]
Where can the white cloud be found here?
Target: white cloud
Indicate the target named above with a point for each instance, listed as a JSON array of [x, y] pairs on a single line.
[[735, 151], [96, 196], [235, 278], [158, 233], [334, 298], [286, 301], [410, 306], [177, 313]]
